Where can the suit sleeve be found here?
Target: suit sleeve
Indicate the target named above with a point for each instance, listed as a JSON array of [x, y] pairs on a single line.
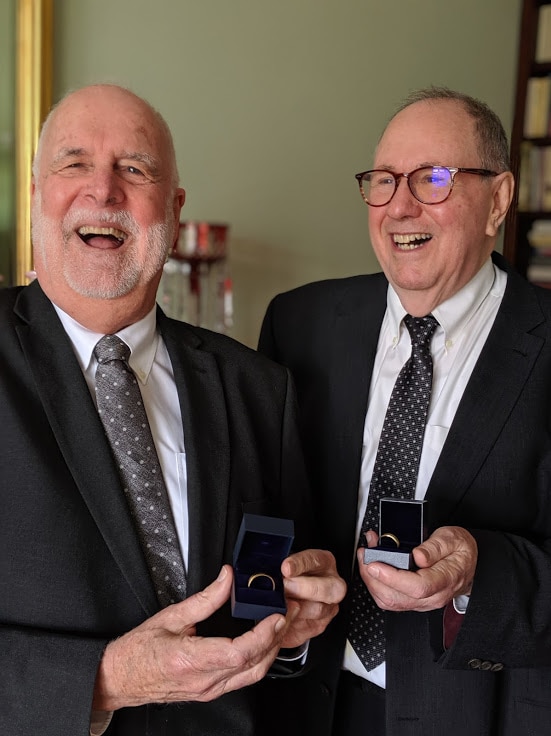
[[507, 622], [47, 682]]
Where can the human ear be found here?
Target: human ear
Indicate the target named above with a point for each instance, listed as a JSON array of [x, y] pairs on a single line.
[[503, 186]]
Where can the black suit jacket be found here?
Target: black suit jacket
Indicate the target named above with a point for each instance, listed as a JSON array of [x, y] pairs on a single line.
[[72, 574], [493, 477]]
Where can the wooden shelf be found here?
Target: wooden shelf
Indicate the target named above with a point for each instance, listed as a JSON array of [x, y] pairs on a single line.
[[516, 247]]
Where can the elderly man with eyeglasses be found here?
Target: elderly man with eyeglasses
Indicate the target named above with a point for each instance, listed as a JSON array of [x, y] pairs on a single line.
[[458, 640]]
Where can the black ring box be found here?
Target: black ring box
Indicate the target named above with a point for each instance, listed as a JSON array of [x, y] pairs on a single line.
[[405, 519], [263, 542]]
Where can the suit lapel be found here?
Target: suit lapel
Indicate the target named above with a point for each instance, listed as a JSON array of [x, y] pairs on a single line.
[[80, 436], [206, 436], [352, 341], [357, 327], [82, 442], [501, 372]]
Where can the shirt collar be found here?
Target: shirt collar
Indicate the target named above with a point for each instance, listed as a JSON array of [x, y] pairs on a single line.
[[141, 337], [453, 314]]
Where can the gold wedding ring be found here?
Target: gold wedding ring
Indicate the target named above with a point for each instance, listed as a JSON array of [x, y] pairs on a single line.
[[259, 576], [392, 537]]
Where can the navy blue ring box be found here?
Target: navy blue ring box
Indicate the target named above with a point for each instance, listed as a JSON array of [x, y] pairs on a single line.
[[262, 544], [405, 519]]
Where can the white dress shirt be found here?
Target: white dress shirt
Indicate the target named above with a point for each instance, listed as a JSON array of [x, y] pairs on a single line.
[[151, 364], [464, 321]]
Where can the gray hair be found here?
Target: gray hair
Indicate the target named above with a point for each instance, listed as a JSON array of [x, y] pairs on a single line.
[[492, 140]]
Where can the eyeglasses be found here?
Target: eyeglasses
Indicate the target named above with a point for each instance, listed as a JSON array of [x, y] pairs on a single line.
[[429, 184]]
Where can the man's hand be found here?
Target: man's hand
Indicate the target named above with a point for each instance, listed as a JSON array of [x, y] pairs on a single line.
[[446, 561], [163, 661], [313, 589]]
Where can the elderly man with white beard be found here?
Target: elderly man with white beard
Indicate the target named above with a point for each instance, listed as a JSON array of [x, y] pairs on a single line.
[[92, 639]]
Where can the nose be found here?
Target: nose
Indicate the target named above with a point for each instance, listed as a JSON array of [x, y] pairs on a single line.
[[104, 187], [403, 203]]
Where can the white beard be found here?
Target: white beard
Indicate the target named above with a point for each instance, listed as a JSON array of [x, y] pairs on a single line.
[[106, 274]]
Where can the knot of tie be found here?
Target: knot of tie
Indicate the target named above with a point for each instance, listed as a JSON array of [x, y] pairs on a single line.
[[421, 329], [111, 347]]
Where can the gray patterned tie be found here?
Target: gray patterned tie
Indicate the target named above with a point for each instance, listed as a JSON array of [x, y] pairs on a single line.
[[394, 475], [123, 415]]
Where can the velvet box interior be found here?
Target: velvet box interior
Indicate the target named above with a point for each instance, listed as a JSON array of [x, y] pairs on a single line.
[[262, 544], [401, 528]]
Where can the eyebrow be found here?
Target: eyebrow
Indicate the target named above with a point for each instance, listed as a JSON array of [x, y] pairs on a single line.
[[140, 157], [144, 158], [67, 153]]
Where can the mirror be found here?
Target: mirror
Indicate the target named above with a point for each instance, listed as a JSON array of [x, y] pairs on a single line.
[[33, 96]]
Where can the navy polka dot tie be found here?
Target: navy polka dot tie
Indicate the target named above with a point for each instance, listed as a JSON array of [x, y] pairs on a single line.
[[120, 407], [394, 475]]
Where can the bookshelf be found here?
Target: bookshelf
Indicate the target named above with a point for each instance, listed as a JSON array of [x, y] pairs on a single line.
[[527, 236]]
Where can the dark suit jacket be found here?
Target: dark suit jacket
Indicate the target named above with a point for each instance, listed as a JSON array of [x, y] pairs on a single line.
[[72, 574], [493, 477]]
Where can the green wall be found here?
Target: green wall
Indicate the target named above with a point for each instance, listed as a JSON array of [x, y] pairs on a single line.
[[275, 105]]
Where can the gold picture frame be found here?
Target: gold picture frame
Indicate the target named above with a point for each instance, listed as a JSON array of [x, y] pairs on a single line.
[[34, 41]]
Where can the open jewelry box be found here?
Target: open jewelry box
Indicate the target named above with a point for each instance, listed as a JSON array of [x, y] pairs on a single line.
[[402, 527], [262, 544]]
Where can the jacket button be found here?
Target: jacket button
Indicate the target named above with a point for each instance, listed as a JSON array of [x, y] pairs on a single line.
[[474, 664], [485, 665], [497, 667]]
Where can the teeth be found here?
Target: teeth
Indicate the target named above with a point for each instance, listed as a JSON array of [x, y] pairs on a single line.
[[411, 237], [88, 230], [410, 241]]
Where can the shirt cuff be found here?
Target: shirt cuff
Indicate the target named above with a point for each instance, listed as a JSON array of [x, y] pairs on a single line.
[[289, 661], [297, 655], [460, 603]]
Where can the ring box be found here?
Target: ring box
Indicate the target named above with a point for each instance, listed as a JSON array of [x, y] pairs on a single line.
[[405, 520], [262, 544]]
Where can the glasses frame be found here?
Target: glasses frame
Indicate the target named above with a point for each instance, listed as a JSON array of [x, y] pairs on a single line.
[[452, 170]]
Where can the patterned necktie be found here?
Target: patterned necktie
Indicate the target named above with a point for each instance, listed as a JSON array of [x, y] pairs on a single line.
[[120, 407], [394, 475]]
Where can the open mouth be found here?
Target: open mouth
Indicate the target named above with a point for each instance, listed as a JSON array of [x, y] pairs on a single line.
[[93, 235], [410, 241]]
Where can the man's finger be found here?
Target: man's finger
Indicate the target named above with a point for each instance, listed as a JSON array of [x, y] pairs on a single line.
[[308, 562], [197, 607]]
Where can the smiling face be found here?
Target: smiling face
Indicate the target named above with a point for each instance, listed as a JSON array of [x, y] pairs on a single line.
[[105, 208], [429, 252]]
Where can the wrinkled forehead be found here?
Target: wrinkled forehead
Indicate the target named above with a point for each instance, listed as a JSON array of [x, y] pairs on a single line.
[[95, 120]]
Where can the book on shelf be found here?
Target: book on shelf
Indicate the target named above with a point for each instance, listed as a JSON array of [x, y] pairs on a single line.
[[543, 38], [535, 178], [539, 237], [545, 183], [534, 181], [540, 233], [539, 274], [537, 109], [539, 267]]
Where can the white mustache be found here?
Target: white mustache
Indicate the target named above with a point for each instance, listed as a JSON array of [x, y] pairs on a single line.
[[121, 219]]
